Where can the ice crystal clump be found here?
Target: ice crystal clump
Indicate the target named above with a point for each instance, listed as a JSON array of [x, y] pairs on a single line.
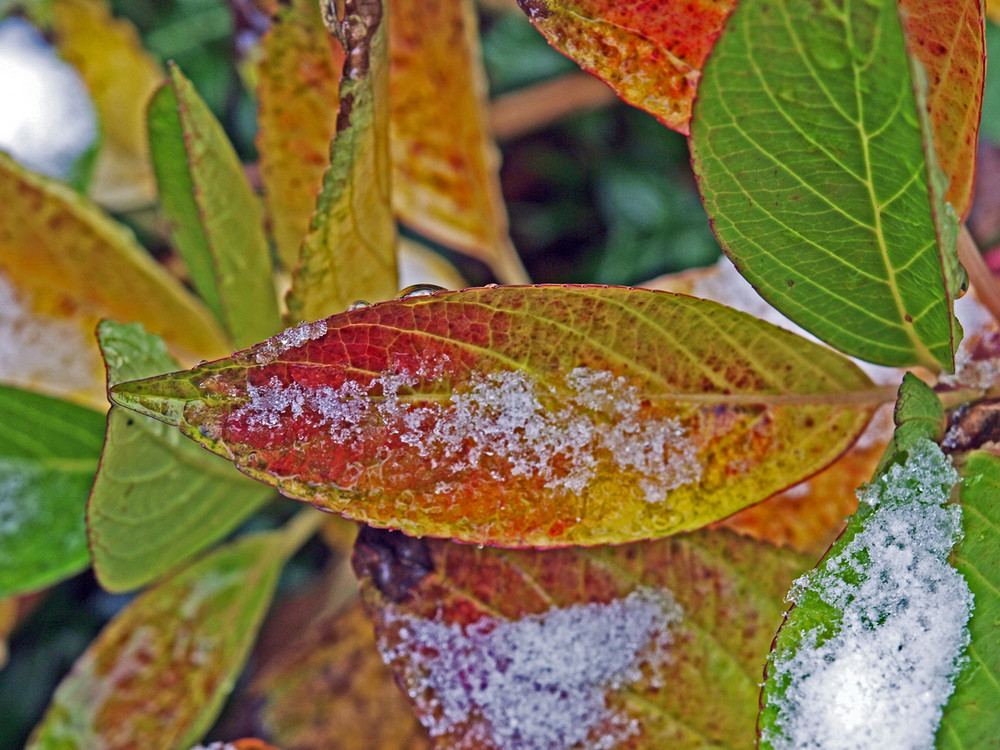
[[298, 335], [555, 433], [538, 683], [883, 678]]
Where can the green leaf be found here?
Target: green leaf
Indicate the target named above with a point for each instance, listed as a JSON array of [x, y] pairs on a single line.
[[970, 718], [48, 456], [216, 217], [156, 676], [918, 415], [158, 499], [869, 653], [819, 177], [350, 251]]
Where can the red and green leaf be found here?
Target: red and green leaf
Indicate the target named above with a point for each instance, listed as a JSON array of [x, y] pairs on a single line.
[[648, 645], [525, 416]]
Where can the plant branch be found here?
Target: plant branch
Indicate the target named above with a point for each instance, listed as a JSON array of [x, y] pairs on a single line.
[[980, 276]]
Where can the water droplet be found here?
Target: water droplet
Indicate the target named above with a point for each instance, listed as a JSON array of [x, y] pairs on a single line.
[[419, 290], [359, 305], [323, 508], [491, 286]]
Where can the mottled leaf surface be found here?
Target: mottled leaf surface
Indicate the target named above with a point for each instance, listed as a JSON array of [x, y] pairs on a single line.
[[648, 645], [121, 76], [810, 154], [444, 181], [158, 499], [48, 457], [65, 265], [525, 415], [969, 718], [215, 215], [651, 53], [330, 690], [350, 251], [156, 676], [298, 82]]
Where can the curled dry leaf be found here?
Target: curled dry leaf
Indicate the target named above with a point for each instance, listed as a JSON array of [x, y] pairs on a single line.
[[525, 416], [578, 648]]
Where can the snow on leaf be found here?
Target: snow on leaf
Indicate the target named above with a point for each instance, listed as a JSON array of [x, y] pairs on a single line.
[[573, 648], [869, 654], [525, 415]]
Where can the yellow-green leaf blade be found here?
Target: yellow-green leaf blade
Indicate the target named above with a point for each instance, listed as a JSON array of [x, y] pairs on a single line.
[[350, 251], [216, 218], [525, 415], [814, 169], [156, 676], [157, 499]]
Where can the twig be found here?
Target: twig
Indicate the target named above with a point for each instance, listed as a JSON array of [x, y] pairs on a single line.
[[980, 276]]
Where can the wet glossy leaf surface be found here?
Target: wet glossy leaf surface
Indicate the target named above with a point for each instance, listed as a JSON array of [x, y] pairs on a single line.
[[157, 674], [807, 137], [331, 691], [64, 265], [525, 415], [350, 251], [648, 645], [48, 457], [651, 53], [298, 97], [214, 214], [158, 499], [444, 180], [968, 720]]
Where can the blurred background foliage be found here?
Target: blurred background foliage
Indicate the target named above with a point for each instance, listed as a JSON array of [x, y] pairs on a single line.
[[603, 195]]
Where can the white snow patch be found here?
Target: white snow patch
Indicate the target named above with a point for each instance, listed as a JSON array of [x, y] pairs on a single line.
[[275, 346], [558, 432], [882, 680], [538, 683], [47, 120], [40, 350]]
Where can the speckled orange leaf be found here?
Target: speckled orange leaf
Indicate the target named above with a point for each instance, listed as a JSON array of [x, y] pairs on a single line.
[[350, 250], [330, 690], [645, 646], [157, 675], [525, 416], [651, 52], [445, 181], [121, 76], [947, 37], [64, 265], [298, 96]]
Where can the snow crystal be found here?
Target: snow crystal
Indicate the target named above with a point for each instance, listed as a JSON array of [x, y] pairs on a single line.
[[558, 433], [883, 678], [538, 683], [216, 746], [40, 350], [275, 346]]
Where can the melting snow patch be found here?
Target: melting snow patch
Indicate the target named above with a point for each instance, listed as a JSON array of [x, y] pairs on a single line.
[[538, 683], [883, 679], [275, 346], [559, 434]]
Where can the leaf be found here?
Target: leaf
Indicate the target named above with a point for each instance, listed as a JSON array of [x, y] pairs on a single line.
[[948, 40], [919, 415], [969, 717], [525, 415], [156, 676], [297, 93], [121, 76], [649, 645], [445, 182], [331, 691], [9, 610], [868, 655], [48, 456], [157, 499], [809, 151], [64, 265], [350, 251], [216, 218], [651, 54]]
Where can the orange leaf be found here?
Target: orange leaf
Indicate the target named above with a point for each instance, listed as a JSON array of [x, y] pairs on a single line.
[[445, 181], [647, 646]]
